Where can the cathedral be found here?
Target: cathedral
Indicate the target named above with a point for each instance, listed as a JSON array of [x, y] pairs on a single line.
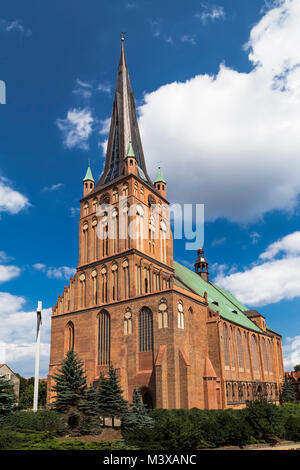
[[167, 330]]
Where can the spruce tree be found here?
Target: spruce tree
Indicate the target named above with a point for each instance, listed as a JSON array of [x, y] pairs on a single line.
[[287, 393], [110, 397], [7, 396], [70, 385], [90, 422], [137, 414]]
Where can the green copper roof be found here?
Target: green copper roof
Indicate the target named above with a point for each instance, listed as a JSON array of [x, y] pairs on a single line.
[[159, 178], [226, 302], [88, 175], [130, 151]]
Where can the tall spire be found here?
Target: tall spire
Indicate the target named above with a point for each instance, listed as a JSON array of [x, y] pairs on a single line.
[[124, 128]]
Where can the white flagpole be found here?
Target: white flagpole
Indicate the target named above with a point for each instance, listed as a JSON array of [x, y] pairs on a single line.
[[37, 355]]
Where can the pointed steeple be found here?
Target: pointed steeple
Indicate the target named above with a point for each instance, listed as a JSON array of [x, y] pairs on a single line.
[[88, 175], [160, 178], [88, 181], [124, 129]]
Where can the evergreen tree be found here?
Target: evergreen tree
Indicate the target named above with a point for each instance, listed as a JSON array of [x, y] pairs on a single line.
[[287, 393], [137, 414], [90, 422], [297, 368], [70, 387], [110, 397], [7, 396]]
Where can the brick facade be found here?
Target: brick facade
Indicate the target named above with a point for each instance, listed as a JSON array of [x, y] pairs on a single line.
[[123, 306]]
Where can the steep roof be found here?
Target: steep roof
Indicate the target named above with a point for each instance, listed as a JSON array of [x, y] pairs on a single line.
[[88, 175], [160, 178], [123, 130], [218, 299]]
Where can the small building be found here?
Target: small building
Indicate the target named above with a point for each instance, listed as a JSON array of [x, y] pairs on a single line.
[[295, 381], [9, 375]]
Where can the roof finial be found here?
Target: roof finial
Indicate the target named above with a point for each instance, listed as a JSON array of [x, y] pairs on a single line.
[[122, 35]]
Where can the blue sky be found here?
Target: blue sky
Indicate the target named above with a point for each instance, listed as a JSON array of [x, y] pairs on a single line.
[[217, 87]]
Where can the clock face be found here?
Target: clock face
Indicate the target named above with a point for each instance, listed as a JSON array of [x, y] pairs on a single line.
[[127, 315]]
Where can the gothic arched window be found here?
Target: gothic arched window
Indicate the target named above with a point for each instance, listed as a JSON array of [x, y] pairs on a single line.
[[254, 354], [270, 357], [240, 350], [95, 240], [115, 281], [94, 287], [145, 330], [103, 338], [163, 314], [226, 346], [85, 243], [104, 284], [126, 284], [128, 322], [231, 345], [180, 315], [82, 290], [70, 336], [246, 349], [264, 355], [115, 226]]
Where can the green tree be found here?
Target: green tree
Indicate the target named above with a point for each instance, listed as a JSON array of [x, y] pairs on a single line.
[[287, 393], [110, 397], [297, 368], [70, 388], [27, 390], [137, 415], [90, 422], [7, 396]]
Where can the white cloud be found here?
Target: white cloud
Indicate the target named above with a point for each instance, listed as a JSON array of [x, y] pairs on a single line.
[[74, 211], [62, 272], [236, 133], [291, 353], [11, 201], [84, 89], [76, 128], [155, 27], [218, 241], [106, 88], [290, 245], [17, 335], [188, 38], [8, 272], [210, 13], [14, 26], [54, 187], [270, 279], [254, 236]]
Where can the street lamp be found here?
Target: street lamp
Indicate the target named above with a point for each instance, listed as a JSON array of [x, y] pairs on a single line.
[[37, 355]]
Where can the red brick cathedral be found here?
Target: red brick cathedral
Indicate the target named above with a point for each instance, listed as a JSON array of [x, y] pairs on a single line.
[[182, 340]]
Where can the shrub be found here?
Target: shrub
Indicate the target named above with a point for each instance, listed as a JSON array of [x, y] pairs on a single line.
[[292, 428], [15, 440], [224, 428], [171, 431], [265, 419], [41, 420]]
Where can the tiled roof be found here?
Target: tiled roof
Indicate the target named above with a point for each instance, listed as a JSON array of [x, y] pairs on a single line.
[[218, 299]]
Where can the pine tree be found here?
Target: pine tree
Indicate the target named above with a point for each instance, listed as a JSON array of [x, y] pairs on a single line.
[[297, 368], [137, 414], [90, 422], [287, 393], [70, 386], [110, 396], [7, 396]]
